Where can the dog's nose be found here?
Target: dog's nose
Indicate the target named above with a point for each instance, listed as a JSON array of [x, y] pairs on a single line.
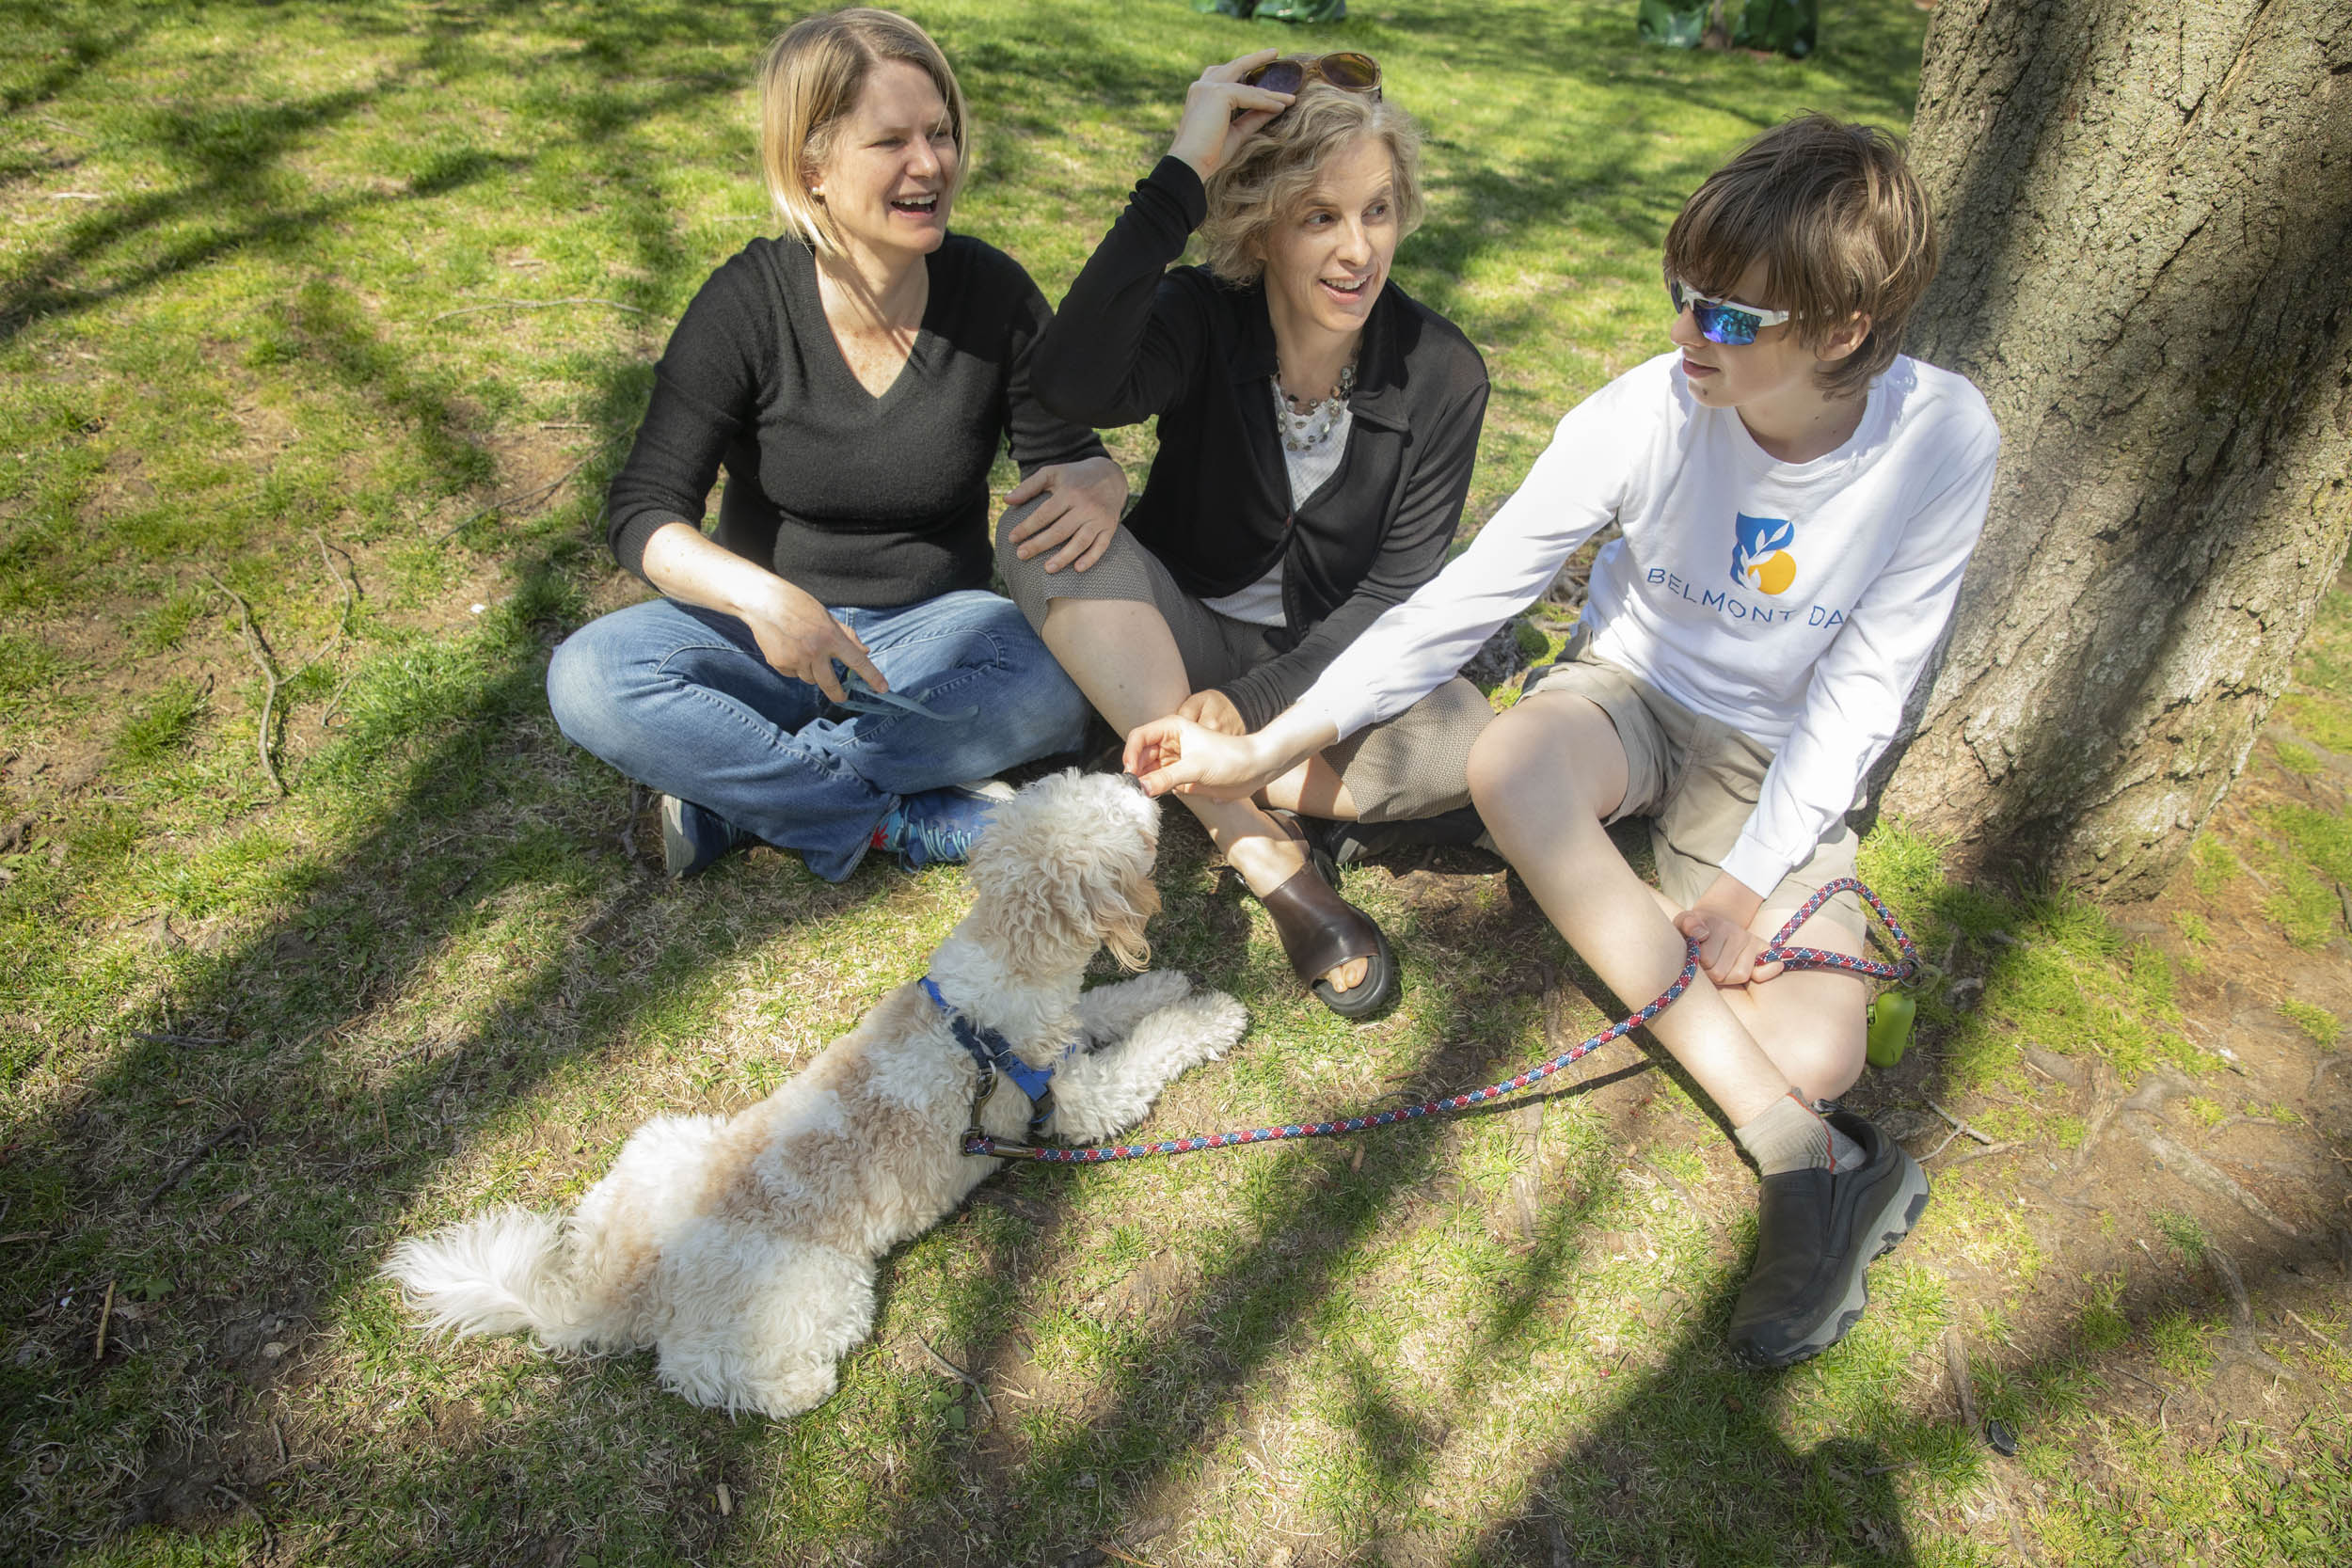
[[1135, 783]]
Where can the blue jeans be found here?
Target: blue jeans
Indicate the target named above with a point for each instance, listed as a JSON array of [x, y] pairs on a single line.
[[679, 698]]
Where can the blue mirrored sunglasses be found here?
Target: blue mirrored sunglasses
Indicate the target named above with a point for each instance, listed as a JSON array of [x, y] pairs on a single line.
[[1722, 321]]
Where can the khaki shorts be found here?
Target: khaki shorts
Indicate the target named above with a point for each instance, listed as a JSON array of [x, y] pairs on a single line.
[[1413, 765], [1696, 780]]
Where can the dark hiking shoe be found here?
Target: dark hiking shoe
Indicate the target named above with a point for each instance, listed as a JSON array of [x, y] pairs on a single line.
[[1816, 1233]]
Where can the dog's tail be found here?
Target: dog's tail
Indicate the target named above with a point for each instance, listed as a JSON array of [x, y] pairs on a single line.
[[503, 1269]]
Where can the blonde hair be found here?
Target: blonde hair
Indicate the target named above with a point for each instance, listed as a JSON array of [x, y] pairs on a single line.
[[1275, 170], [1840, 224], [810, 79]]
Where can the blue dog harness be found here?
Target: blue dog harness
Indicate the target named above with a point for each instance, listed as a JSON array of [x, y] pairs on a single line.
[[993, 1053]]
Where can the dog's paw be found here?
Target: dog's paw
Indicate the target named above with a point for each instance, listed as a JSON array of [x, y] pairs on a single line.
[[1221, 1017], [1207, 1023], [1109, 1012]]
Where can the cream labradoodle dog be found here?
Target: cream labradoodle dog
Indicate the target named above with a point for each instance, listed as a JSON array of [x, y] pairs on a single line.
[[743, 1248]]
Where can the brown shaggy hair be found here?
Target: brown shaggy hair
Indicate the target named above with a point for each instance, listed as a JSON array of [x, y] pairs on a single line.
[[1275, 170], [1841, 225], [809, 81]]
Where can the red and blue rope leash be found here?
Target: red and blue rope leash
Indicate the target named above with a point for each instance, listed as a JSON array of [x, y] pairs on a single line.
[[1791, 958]]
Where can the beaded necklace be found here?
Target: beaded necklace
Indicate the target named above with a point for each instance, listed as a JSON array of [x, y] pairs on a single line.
[[1305, 432]]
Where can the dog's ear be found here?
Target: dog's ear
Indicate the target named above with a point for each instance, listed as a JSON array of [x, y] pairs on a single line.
[[1123, 909], [1065, 866]]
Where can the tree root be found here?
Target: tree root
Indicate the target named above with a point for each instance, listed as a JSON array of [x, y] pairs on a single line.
[[2242, 1344], [2203, 1175]]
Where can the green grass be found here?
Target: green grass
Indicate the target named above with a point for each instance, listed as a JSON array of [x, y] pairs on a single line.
[[2297, 760], [2212, 865], [2184, 1232], [248, 1041], [2315, 1022]]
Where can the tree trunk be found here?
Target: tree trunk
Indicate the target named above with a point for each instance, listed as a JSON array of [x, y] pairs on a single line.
[[2146, 208]]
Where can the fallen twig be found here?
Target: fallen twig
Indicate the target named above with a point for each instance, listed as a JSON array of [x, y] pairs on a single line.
[[105, 1313], [351, 601], [269, 1534], [179, 1173], [532, 305], [1959, 1127], [154, 1038], [527, 497], [946, 1368], [254, 646], [335, 699], [259, 647], [2309, 1330]]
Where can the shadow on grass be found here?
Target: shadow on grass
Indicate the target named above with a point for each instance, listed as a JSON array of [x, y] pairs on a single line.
[[78, 49]]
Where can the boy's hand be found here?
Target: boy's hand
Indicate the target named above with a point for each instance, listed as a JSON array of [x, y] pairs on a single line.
[[1719, 924], [1180, 754]]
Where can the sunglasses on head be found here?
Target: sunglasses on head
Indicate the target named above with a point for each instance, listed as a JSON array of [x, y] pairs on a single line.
[[1348, 70], [1722, 321]]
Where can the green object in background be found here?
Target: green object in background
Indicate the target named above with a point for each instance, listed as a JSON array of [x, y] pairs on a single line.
[[1277, 10], [1301, 11], [1789, 27], [1675, 23], [1890, 1027]]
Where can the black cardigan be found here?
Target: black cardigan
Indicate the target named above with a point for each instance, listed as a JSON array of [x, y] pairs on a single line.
[[874, 502], [1136, 338]]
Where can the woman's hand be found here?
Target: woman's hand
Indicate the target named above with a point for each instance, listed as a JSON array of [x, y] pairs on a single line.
[[1719, 924], [1079, 514], [796, 634], [1177, 753], [1213, 710], [801, 638], [1220, 112]]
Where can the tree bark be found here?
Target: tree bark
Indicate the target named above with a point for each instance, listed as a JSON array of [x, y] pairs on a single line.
[[2146, 208]]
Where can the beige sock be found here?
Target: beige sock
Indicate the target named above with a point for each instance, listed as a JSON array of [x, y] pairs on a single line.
[[1791, 1136]]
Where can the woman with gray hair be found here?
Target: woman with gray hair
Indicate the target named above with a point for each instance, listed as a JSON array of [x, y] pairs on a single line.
[[1316, 433], [826, 670]]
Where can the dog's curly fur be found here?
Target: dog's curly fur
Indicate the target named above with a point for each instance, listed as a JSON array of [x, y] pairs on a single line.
[[743, 1248]]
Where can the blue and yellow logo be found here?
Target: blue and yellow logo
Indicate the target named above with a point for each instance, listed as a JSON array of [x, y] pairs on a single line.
[[1759, 558]]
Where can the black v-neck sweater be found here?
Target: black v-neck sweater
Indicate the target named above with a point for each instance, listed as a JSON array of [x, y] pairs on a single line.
[[858, 499]]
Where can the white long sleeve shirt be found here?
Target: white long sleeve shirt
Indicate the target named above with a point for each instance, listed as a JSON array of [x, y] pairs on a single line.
[[1795, 602]]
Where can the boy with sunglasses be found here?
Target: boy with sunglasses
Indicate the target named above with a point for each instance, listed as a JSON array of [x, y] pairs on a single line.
[[1798, 500]]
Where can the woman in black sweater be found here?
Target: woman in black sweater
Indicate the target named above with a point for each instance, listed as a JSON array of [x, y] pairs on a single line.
[[827, 670], [1316, 433]]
